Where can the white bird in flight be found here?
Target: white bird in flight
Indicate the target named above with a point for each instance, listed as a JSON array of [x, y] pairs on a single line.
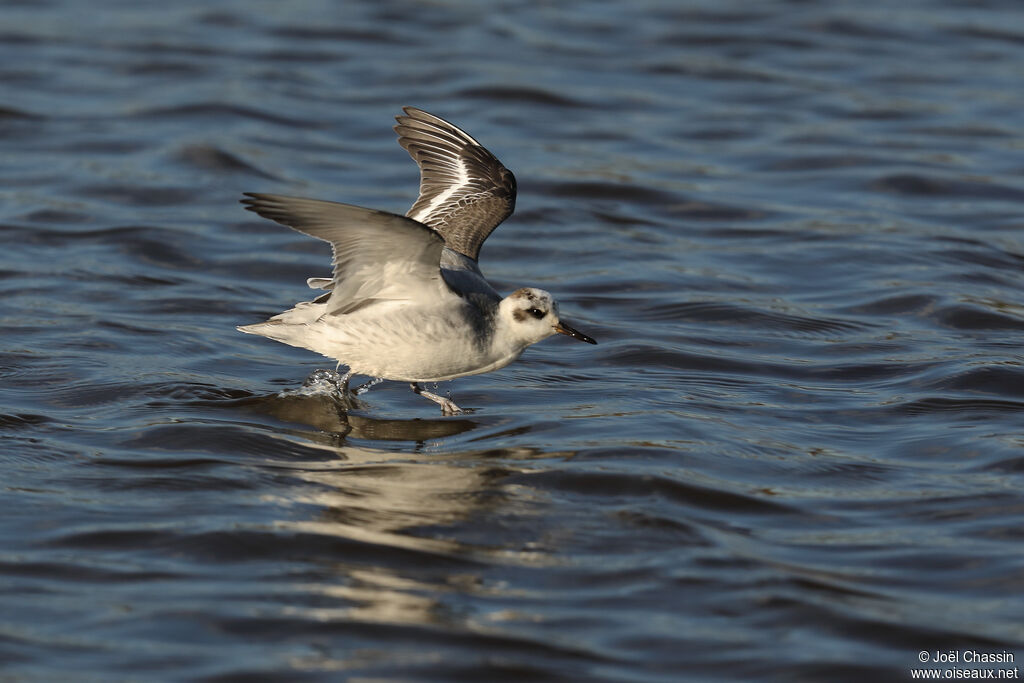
[[407, 300]]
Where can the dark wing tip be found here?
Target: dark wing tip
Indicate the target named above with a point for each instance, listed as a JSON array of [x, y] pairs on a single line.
[[253, 198], [419, 114], [252, 201], [273, 207], [258, 202], [413, 113]]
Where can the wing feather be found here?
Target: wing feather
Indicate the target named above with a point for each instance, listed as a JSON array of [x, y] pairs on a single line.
[[378, 256], [465, 192]]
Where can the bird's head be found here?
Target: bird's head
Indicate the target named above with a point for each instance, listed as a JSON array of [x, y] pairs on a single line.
[[531, 315]]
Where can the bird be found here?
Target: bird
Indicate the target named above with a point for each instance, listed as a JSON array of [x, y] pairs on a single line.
[[406, 300]]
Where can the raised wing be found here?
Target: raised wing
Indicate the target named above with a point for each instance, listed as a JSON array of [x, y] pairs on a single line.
[[465, 192], [378, 256]]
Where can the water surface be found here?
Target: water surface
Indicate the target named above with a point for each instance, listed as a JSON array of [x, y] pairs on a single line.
[[796, 453]]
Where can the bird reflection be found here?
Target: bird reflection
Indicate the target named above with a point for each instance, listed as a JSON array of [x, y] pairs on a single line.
[[396, 533], [332, 415], [384, 526]]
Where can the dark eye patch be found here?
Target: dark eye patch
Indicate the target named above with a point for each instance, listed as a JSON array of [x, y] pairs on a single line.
[[536, 313]]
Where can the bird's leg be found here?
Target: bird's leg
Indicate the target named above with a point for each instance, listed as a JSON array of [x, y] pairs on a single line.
[[447, 406], [363, 388]]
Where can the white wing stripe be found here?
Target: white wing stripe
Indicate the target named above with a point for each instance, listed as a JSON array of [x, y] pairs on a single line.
[[465, 192], [461, 181]]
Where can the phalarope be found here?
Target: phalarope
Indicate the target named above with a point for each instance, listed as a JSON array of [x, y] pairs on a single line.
[[407, 300]]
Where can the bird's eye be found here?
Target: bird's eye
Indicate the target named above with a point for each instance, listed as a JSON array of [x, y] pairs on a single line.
[[536, 313]]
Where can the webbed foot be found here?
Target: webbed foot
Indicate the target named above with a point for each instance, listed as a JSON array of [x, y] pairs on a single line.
[[448, 406]]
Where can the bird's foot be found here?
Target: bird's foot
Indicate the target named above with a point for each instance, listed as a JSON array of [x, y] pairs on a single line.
[[448, 406]]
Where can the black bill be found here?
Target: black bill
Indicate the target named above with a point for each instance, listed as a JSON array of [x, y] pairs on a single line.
[[562, 328]]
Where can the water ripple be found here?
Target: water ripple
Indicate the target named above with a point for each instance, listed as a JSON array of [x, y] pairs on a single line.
[[796, 452]]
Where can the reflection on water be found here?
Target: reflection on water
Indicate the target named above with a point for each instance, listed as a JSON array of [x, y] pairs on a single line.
[[335, 419], [382, 501], [391, 555], [378, 503]]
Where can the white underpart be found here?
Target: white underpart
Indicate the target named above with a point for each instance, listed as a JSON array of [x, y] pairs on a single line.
[[428, 341], [461, 181]]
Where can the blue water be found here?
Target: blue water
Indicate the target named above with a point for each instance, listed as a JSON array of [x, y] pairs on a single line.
[[796, 453]]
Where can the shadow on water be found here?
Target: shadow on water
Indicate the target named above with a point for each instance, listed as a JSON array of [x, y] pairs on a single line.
[[336, 420]]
